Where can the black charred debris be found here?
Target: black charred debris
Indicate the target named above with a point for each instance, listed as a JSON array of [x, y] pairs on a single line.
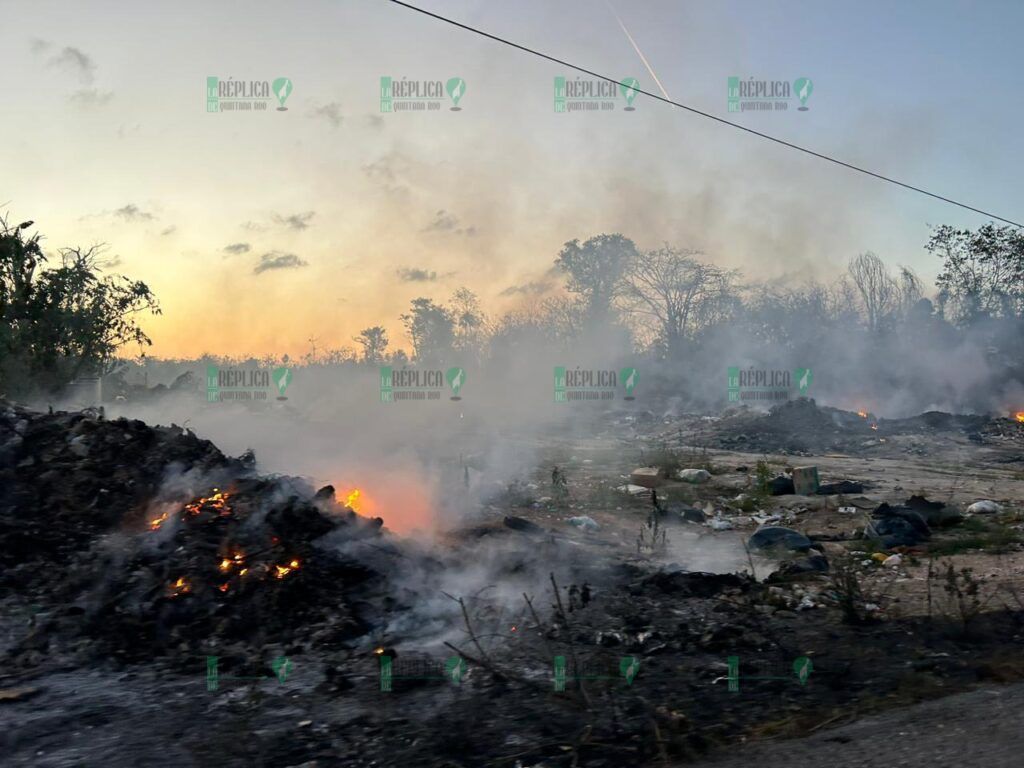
[[150, 541]]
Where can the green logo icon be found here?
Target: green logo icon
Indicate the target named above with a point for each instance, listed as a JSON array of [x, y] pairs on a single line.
[[804, 378], [628, 667], [629, 87], [455, 668], [456, 378], [803, 87], [629, 377], [282, 377], [456, 87], [282, 666], [802, 668], [282, 88]]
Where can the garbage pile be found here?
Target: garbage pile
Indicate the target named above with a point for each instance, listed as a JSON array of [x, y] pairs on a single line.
[[97, 528]]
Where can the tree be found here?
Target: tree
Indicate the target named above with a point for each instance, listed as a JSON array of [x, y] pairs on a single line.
[[678, 293], [61, 323], [374, 342], [431, 329], [595, 272], [879, 293], [470, 323], [982, 272]]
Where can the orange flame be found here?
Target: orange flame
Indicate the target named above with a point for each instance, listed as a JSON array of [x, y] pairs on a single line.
[[1019, 416], [155, 523], [352, 502], [180, 587], [862, 414], [284, 570]]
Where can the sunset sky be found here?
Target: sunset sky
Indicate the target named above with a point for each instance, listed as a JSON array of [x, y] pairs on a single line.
[[105, 137]]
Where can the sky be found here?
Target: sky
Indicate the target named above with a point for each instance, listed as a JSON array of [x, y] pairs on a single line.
[[261, 230]]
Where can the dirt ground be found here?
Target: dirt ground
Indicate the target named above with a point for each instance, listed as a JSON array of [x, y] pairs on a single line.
[[908, 686]]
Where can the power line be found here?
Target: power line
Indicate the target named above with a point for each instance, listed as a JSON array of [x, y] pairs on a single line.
[[709, 116]]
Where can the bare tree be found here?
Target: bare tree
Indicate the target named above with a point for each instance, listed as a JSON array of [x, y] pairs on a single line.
[[678, 293], [879, 293]]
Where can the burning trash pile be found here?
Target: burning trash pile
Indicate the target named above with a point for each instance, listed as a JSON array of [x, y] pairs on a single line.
[[802, 427], [98, 533]]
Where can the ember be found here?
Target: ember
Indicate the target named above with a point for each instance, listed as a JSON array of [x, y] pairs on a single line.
[[1019, 416], [284, 570], [180, 587], [862, 414], [157, 522]]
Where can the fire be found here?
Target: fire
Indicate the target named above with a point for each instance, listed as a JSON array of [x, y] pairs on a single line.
[[218, 502], [403, 498], [223, 587], [157, 522], [862, 414], [180, 587], [352, 502], [1019, 416], [284, 570]]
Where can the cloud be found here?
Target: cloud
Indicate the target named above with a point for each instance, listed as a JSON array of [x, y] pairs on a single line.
[[90, 97], [417, 275], [278, 260], [252, 226], [236, 248], [389, 172], [169, 231], [447, 222], [329, 112], [296, 220], [39, 45], [113, 261], [133, 213], [534, 288], [76, 61]]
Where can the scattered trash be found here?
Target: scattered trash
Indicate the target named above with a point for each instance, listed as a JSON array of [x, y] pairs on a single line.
[[681, 512], [631, 489], [984, 507], [843, 486], [523, 525], [777, 538], [892, 561], [584, 522], [805, 480], [898, 526], [694, 475], [847, 510], [718, 524], [647, 477]]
